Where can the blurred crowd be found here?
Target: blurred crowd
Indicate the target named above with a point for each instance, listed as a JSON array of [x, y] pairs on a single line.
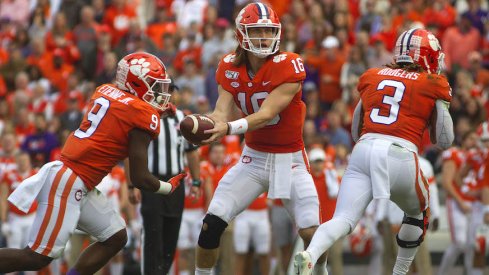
[[54, 53]]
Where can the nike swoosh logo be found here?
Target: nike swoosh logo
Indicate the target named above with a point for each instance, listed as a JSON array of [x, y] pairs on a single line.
[[264, 83]]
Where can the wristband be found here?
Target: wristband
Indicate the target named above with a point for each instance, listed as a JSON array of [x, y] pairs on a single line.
[[196, 183], [165, 188], [238, 127]]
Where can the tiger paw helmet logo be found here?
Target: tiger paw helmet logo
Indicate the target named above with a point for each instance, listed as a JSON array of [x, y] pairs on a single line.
[[139, 67]]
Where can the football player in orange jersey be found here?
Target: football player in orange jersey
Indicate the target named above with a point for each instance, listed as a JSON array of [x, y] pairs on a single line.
[[120, 123], [266, 85], [397, 104]]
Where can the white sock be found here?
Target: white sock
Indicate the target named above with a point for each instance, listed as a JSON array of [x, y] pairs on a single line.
[[325, 236], [203, 271], [184, 272], [116, 268], [320, 269], [402, 265], [477, 271]]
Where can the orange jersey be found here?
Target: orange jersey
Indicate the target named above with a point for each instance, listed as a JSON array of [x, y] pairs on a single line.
[[283, 134], [400, 103], [476, 160], [103, 137], [327, 205], [458, 156], [13, 179]]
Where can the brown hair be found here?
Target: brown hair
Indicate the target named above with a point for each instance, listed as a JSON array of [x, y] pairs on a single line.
[[240, 57], [410, 67]]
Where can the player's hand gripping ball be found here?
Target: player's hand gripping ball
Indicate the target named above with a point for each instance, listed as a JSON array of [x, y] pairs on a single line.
[[193, 126]]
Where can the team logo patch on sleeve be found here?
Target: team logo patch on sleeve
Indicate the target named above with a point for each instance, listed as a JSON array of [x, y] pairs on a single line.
[[280, 57], [231, 74]]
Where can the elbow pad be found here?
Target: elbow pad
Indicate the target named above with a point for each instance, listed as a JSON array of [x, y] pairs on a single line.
[[444, 125], [355, 123]]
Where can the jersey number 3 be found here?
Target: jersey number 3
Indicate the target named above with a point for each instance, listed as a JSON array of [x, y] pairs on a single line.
[[392, 101]]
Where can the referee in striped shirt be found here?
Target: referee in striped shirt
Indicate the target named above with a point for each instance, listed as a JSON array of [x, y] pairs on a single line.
[[162, 214]]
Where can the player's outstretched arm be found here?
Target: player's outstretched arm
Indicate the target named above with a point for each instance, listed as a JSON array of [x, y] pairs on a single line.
[[138, 165], [278, 100], [224, 106], [221, 115]]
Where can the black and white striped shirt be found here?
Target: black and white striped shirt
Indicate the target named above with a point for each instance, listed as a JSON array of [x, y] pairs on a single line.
[[166, 153]]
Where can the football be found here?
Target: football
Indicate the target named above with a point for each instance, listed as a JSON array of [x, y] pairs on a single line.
[[193, 126]]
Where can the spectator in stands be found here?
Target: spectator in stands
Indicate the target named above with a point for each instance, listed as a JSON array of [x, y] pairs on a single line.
[[162, 24], [134, 40], [40, 143], [458, 41], [15, 10], [118, 16], [85, 38], [192, 79], [334, 130], [59, 40], [189, 11], [351, 72], [9, 149], [73, 116], [169, 50], [439, 13], [193, 51], [37, 27], [370, 21], [377, 54], [15, 64], [107, 75], [329, 65], [217, 42]]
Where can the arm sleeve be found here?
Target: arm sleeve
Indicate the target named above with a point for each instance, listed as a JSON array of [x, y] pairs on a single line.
[[357, 116], [444, 125]]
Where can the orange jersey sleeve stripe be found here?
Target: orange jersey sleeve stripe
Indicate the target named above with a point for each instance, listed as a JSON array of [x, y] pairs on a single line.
[[61, 214], [49, 211]]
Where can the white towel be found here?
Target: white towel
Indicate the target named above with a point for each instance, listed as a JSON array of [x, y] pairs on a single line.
[[379, 172], [280, 176], [25, 194]]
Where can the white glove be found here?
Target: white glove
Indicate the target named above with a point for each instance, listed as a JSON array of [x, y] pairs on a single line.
[[6, 230]]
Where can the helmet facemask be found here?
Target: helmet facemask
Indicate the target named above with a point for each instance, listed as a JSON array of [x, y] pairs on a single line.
[[158, 94], [254, 44]]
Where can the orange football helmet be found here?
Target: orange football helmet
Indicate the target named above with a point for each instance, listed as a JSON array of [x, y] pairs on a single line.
[[421, 47], [257, 15], [145, 76]]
